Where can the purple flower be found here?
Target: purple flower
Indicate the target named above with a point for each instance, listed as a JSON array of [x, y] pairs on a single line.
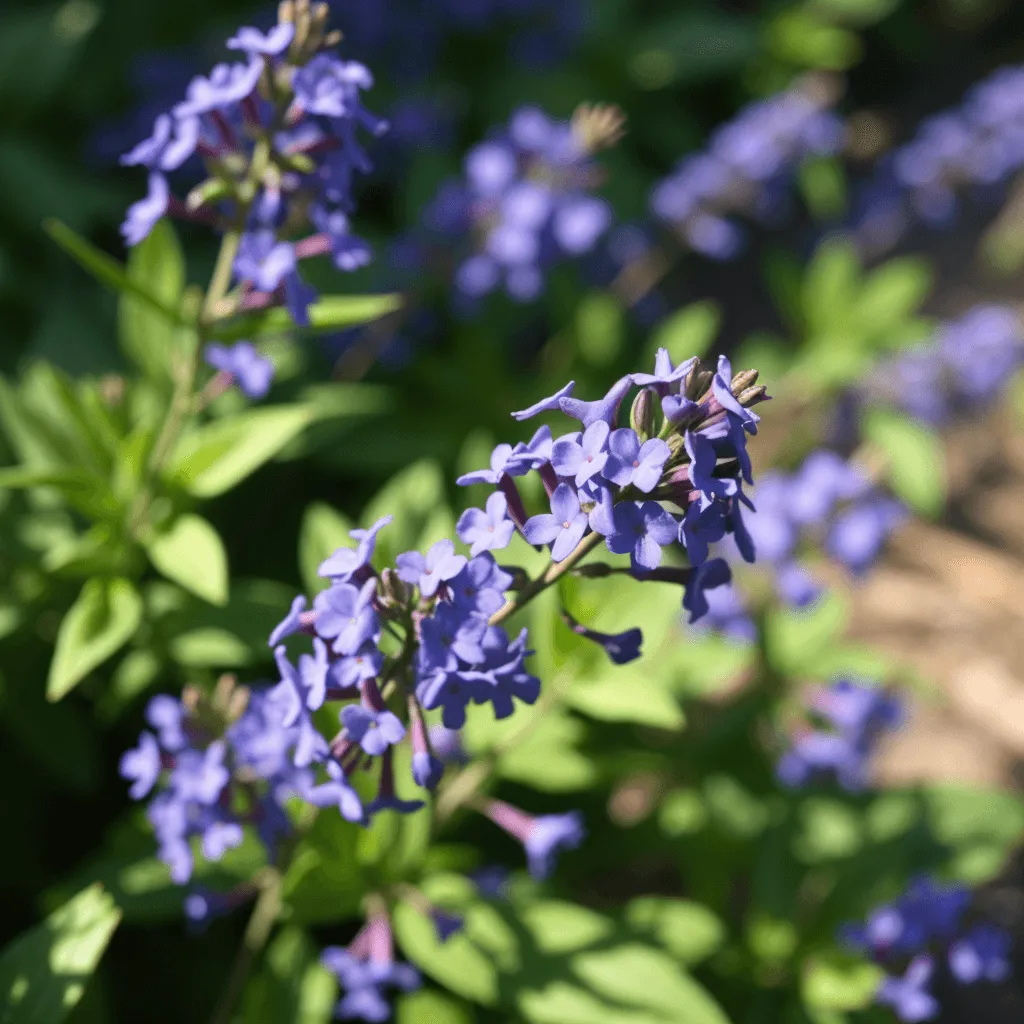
[[387, 799], [549, 834], [984, 952], [858, 532], [481, 586], [446, 925], [620, 647], [428, 573], [563, 528], [641, 530], [501, 458], [337, 793], [270, 44], [253, 372], [908, 996], [715, 572], [664, 373], [226, 85], [373, 730], [264, 260], [450, 634], [345, 613], [330, 87], [487, 530], [200, 776], [532, 454], [632, 463], [542, 837], [167, 716], [142, 765], [346, 562], [354, 670], [305, 687], [449, 690], [606, 409], [546, 404], [173, 141], [143, 215], [796, 586], [581, 458], [292, 623]]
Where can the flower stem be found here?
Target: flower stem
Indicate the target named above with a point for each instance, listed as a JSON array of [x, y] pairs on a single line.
[[554, 572], [257, 932], [220, 282]]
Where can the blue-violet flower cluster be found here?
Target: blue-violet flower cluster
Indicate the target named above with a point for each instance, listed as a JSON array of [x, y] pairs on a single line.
[[916, 934], [853, 716]]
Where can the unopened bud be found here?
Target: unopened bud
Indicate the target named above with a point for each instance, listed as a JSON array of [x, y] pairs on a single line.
[[208, 191], [286, 12], [751, 396], [393, 591], [593, 570], [698, 383], [190, 697], [744, 379], [641, 416], [238, 703]]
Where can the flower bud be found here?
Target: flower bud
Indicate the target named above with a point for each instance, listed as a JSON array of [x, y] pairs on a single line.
[[207, 192], [698, 383], [743, 380], [393, 592], [641, 416]]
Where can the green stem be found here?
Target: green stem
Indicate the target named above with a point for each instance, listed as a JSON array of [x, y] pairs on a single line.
[[264, 915], [221, 280], [554, 572]]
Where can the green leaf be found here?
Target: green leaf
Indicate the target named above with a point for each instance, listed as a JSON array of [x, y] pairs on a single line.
[[106, 269], [559, 927], [620, 695], [548, 759], [157, 267], [831, 286], [838, 982], [823, 185], [830, 830], [459, 964], [981, 826], [687, 332], [798, 36], [325, 882], [103, 619], [190, 552], [214, 458], [600, 326], [430, 1007], [43, 973], [331, 313], [323, 531], [692, 46], [797, 640], [916, 459], [688, 930], [890, 294], [646, 977], [292, 988]]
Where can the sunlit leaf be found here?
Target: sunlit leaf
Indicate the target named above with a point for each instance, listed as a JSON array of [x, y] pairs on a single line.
[[103, 619], [43, 973]]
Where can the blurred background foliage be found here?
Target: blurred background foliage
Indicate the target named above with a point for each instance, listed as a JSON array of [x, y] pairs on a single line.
[[695, 856]]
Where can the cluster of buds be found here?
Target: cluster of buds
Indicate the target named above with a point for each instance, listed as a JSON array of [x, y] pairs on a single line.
[[277, 138]]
